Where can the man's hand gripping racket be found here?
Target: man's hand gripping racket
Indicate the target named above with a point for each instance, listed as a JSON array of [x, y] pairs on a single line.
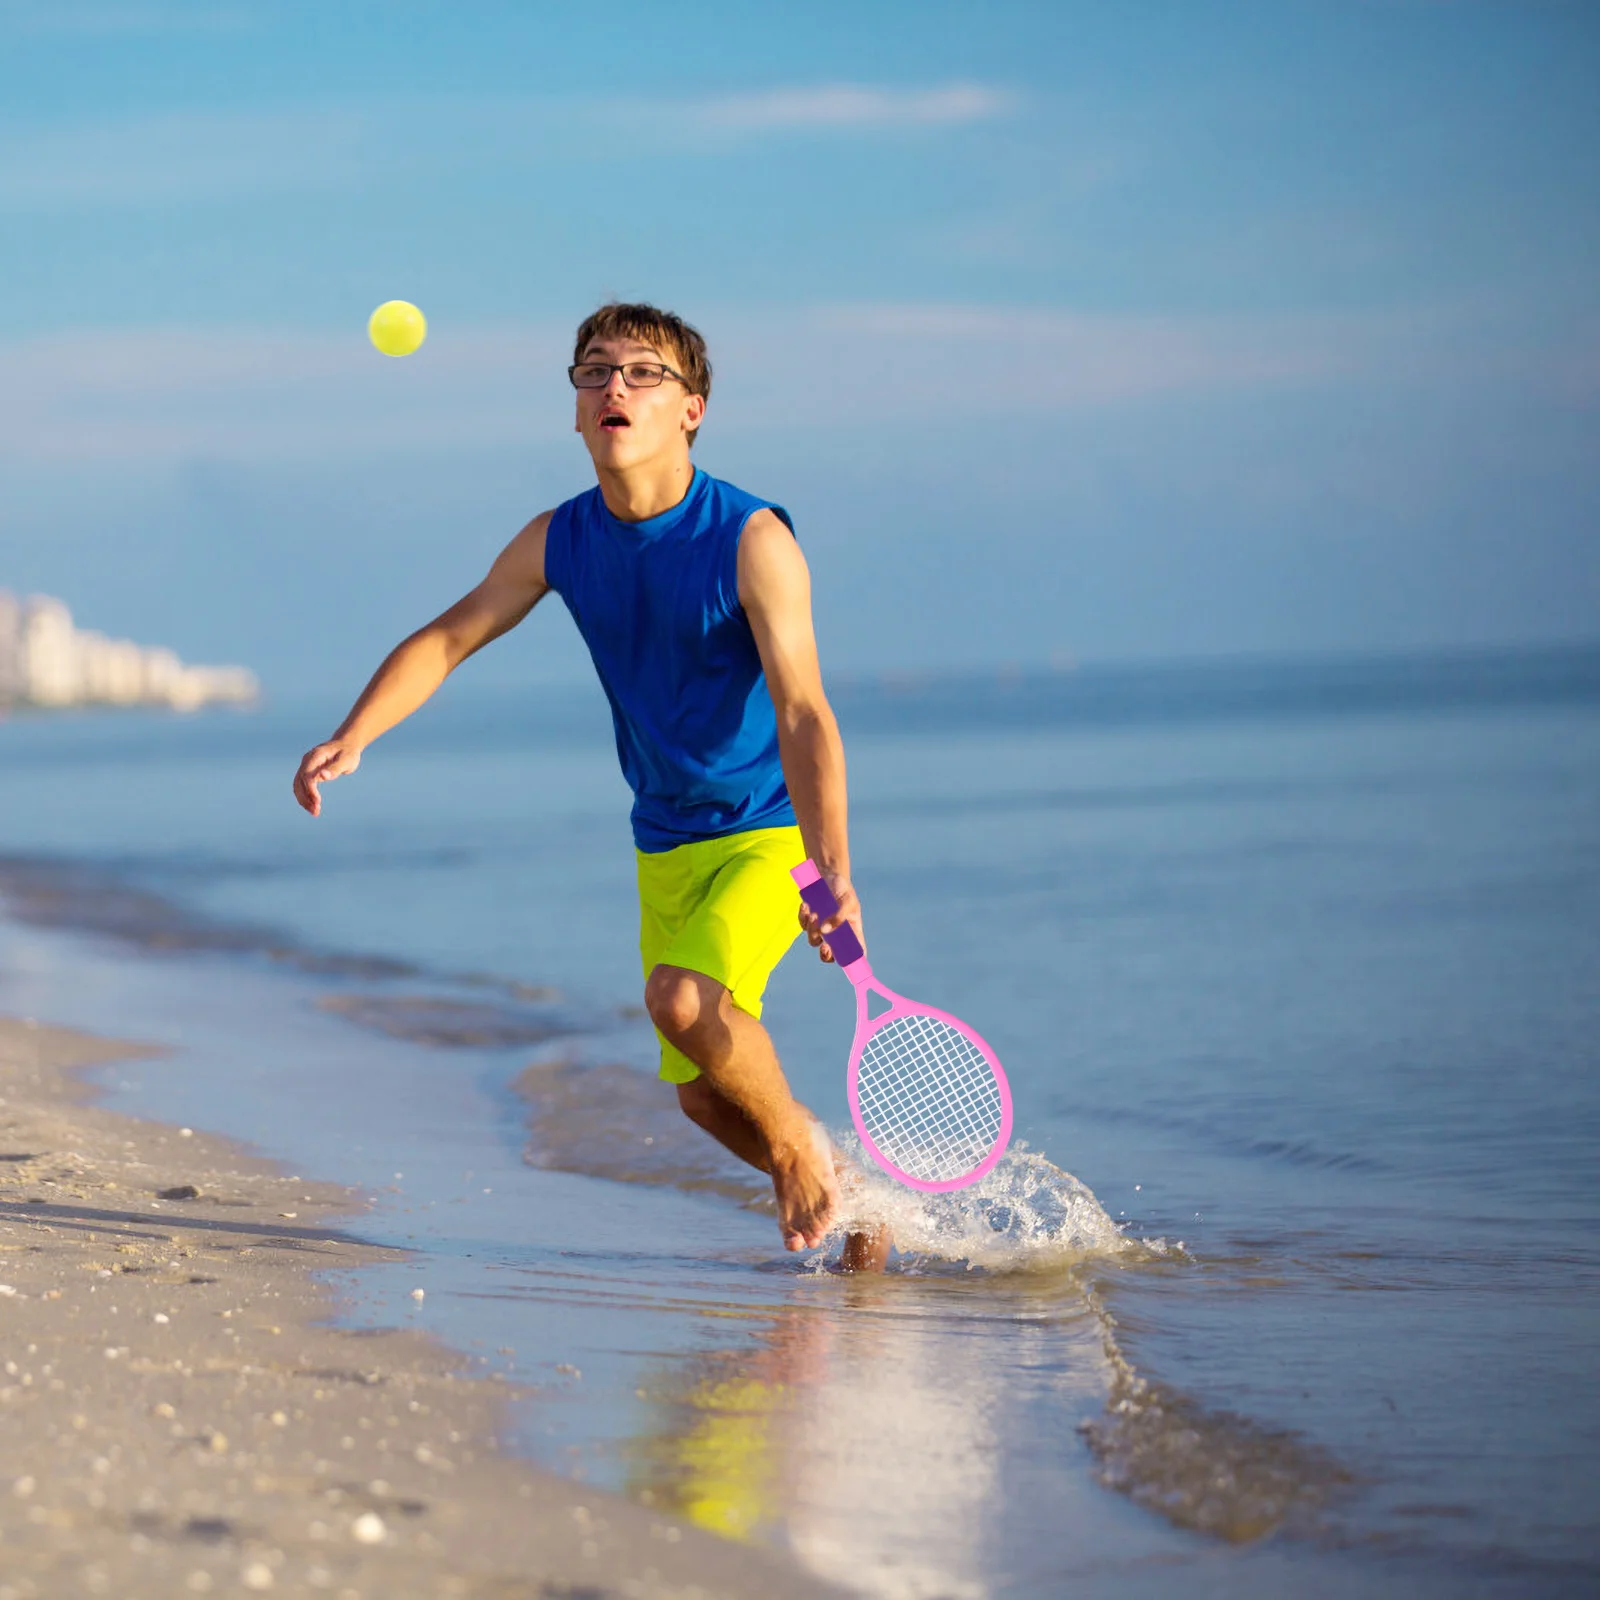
[[927, 1095]]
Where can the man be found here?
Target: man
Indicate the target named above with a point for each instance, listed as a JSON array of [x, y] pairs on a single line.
[[695, 602]]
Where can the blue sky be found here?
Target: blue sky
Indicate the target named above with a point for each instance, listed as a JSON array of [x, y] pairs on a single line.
[[1065, 331]]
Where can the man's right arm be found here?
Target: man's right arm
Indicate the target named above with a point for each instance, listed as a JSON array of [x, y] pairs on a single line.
[[415, 668]]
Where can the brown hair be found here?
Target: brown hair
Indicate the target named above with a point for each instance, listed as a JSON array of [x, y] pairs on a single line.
[[661, 330]]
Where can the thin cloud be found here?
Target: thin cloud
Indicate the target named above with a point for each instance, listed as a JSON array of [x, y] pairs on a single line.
[[847, 105], [152, 396], [932, 361], [200, 154], [155, 396]]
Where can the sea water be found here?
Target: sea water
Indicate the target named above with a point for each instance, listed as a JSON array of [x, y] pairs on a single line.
[[1289, 1280]]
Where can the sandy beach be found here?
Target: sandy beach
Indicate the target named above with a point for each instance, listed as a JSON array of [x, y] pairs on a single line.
[[181, 1418]]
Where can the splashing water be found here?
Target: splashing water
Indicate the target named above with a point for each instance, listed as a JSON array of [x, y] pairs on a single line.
[[1026, 1215], [609, 1120]]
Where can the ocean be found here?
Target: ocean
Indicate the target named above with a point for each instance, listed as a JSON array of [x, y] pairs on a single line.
[[1289, 1279]]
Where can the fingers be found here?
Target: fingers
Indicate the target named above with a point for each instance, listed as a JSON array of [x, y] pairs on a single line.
[[813, 927], [306, 781], [305, 792], [848, 910], [319, 766], [818, 928]]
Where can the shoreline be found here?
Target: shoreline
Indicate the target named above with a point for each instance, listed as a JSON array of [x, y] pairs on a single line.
[[183, 1417]]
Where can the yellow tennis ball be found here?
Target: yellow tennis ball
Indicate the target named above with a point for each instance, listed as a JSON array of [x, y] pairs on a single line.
[[397, 327]]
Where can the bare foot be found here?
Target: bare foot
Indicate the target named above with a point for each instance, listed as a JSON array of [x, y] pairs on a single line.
[[806, 1188], [866, 1246], [866, 1252]]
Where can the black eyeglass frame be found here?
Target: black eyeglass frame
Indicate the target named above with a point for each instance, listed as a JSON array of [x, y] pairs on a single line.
[[622, 367]]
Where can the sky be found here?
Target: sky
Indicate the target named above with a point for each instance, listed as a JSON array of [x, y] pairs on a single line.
[[1066, 332]]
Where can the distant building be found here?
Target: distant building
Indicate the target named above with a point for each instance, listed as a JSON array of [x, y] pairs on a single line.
[[10, 648], [46, 661]]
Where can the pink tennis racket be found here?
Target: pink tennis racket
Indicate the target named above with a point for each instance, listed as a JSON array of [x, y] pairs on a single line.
[[927, 1095]]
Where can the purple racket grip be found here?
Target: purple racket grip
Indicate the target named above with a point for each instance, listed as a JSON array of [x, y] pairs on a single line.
[[842, 941]]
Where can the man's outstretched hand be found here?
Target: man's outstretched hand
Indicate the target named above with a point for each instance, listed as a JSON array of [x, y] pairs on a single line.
[[320, 766]]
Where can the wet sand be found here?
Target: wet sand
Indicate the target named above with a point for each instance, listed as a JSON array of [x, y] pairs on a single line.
[[180, 1418]]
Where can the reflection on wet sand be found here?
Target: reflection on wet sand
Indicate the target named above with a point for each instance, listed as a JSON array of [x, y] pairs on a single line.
[[889, 1430], [850, 1435], [903, 1437]]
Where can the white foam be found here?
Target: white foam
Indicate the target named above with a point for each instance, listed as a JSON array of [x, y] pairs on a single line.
[[1026, 1215]]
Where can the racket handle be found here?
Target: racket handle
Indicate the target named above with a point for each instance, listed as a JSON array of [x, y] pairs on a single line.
[[815, 892]]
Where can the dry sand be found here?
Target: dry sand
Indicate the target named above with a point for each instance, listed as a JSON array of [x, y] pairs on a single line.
[[177, 1418]]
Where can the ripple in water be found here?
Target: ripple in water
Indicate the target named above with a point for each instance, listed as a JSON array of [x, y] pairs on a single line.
[[1213, 1472], [608, 1120]]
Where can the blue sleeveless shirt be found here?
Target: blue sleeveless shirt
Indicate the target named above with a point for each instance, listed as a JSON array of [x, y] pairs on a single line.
[[657, 603]]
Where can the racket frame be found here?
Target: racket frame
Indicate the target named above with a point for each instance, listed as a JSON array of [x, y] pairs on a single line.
[[852, 961]]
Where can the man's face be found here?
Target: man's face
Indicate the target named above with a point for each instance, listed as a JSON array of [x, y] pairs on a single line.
[[623, 427]]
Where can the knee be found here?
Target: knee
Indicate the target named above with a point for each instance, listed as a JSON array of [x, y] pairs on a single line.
[[673, 999]]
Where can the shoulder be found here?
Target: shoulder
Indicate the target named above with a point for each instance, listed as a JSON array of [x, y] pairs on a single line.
[[767, 525], [770, 562], [524, 557], [533, 536], [555, 534], [739, 506]]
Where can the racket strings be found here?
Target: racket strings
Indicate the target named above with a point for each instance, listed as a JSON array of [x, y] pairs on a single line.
[[929, 1098]]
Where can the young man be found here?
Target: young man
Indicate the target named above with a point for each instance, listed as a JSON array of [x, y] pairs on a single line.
[[695, 602]]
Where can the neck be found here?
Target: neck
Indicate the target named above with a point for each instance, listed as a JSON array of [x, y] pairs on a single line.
[[635, 494]]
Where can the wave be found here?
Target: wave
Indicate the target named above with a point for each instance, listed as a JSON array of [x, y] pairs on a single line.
[[84, 897], [609, 1120], [450, 1023], [103, 900], [1213, 1472], [1295, 1152]]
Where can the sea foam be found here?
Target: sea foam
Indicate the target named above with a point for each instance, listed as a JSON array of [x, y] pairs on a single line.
[[1024, 1215]]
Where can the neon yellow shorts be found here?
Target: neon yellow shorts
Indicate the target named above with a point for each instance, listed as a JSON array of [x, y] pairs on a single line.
[[726, 907]]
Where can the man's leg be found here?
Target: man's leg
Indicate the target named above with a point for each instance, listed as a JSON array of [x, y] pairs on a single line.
[[697, 1015], [733, 1130], [866, 1251], [724, 1121]]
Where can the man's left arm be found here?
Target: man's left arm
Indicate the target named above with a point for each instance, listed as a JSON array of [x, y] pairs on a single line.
[[775, 591]]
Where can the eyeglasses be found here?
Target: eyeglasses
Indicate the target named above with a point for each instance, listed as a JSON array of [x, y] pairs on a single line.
[[636, 374]]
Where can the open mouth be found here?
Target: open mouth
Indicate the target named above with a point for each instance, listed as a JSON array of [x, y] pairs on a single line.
[[614, 419]]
